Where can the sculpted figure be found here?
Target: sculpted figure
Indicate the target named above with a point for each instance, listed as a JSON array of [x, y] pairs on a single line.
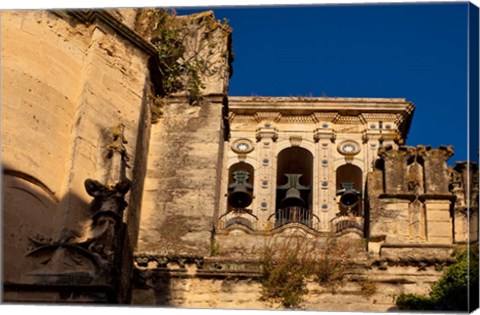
[[107, 207]]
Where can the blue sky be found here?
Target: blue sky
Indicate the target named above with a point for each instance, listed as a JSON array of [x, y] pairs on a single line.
[[412, 51]]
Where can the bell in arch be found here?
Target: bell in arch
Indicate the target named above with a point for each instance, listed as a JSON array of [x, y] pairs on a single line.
[[240, 195], [349, 199], [292, 199], [293, 195]]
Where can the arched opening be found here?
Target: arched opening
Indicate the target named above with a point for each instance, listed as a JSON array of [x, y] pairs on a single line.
[[294, 187], [349, 189], [240, 186]]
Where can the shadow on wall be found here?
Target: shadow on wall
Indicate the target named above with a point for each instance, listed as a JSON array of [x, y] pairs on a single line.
[[40, 253], [152, 287]]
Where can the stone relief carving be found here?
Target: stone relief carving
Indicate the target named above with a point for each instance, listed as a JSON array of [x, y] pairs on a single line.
[[118, 143], [107, 209], [89, 256], [87, 260]]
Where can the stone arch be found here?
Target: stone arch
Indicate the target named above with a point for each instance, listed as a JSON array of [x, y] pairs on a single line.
[[304, 144], [238, 173], [349, 188], [29, 212], [294, 177]]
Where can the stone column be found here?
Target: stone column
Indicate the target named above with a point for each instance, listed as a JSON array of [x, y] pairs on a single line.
[[266, 137], [326, 203]]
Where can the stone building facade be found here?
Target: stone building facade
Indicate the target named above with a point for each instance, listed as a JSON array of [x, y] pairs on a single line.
[[103, 204]]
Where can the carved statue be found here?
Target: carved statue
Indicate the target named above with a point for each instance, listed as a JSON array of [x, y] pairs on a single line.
[[91, 257], [107, 207], [118, 143]]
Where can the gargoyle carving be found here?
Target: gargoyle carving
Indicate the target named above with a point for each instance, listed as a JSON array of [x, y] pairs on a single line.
[[107, 209], [70, 255]]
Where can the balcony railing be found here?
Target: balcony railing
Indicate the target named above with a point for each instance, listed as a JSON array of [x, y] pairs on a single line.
[[240, 216], [299, 215], [343, 222]]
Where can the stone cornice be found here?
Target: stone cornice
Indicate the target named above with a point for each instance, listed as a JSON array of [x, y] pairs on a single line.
[[310, 105], [336, 110], [91, 16]]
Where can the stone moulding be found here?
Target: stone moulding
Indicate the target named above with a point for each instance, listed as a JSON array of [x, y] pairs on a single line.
[[90, 16], [321, 109], [190, 266]]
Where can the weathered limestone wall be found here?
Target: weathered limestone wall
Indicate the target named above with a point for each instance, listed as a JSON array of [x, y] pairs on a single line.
[[42, 58], [464, 184], [238, 286], [41, 61], [66, 85], [409, 197], [181, 191]]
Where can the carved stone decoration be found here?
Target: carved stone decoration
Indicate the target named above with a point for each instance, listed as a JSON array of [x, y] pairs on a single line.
[[267, 116], [320, 134], [267, 133], [118, 143], [435, 168], [295, 141], [242, 146], [79, 260], [415, 183], [116, 158], [417, 219], [107, 209]]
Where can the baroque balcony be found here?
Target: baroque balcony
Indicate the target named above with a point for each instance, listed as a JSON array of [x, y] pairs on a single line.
[[343, 222], [240, 216], [295, 214]]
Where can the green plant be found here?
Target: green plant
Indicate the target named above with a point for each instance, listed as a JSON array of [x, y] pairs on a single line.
[[186, 49], [336, 259], [412, 301], [288, 265], [156, 105], [456, 290], [285, 269], [214, 248]]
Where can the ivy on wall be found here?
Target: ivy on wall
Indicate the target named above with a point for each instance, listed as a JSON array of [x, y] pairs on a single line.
[[189, 50]]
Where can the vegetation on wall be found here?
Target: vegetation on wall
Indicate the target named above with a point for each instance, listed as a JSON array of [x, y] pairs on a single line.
[[456, 290], [189, 50], [287, 266]]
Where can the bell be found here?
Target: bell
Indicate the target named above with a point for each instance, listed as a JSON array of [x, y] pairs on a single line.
[[349, 199], [240, 197], [292, 199]]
